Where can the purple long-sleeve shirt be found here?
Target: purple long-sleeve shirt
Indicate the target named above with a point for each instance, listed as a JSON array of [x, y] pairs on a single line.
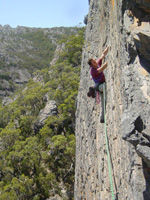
[[97, 77]]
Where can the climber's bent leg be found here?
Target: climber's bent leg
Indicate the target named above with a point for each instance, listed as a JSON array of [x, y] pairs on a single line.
[[100, 88]]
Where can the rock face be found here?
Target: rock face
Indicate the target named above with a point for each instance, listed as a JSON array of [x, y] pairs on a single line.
[[49, 110], [59, 49], [124, 26]]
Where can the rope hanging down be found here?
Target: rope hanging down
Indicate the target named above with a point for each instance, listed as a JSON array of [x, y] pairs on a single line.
[[107, 146]]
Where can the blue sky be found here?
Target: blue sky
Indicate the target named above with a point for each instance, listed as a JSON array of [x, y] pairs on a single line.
[[43, 13]]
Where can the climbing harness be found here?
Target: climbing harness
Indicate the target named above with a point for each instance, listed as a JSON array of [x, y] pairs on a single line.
[[107, 147], [97, 80]]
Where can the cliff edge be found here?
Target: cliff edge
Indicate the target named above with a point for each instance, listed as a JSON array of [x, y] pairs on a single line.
[[125, 27]]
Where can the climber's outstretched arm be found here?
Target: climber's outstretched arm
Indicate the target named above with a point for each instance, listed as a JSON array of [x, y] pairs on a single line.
[[102, 68], [104, 53]]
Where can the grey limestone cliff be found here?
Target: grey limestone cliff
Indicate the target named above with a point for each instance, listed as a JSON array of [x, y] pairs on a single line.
[[124, 26]]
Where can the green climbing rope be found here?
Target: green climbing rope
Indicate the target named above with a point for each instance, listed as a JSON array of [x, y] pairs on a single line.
[[107, 146]]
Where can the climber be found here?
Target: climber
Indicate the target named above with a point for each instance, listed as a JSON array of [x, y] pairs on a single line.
[[96, 69]]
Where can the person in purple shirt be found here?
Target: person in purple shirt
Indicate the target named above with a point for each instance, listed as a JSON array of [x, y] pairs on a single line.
[[96, 70]]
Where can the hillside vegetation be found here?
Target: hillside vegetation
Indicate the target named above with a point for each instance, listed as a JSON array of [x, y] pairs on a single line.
[[24, 50], [36, 163]]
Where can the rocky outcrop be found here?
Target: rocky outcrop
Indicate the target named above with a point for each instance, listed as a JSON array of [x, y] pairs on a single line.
[[56, 197], [59, 49], [50, 109], [137, 111], [124, 26]]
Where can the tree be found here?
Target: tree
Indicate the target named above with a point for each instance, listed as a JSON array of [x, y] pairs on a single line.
[[33, 163], [9, 136], [19, 188]]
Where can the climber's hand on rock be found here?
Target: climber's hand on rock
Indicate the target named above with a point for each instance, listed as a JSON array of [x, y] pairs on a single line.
[[106, 51]]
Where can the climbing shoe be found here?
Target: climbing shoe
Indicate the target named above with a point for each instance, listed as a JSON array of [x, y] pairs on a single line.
[[91, 92], [101, 120]]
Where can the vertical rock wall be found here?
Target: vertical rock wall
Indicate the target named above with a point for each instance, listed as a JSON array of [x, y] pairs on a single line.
[[124, 26]]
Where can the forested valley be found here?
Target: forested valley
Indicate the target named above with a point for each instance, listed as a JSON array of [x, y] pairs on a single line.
[[37, 161]]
